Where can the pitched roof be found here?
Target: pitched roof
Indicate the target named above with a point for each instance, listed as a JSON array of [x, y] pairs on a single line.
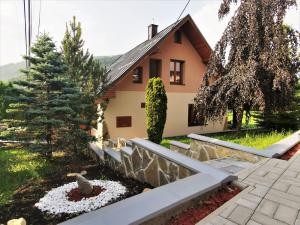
[[135, 55]]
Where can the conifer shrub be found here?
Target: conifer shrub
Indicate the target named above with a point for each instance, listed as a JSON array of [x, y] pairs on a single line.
[[156, 109]]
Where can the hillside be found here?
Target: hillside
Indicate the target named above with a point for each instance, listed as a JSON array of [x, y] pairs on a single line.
[[10, 72]]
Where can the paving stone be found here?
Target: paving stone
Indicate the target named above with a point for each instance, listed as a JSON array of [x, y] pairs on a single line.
[[292, 174], [285, 195], [271, 176], [247, 203], [251, 222], [261, 172], [282, 164], [286, 214], [274, 199], [259, 180], [226, 212], [232, 169], [265, 220], [267, 207], [218, 220], [280, 199], [259, 190], [294, 190], [281, 186], [240, 215], [252, 198]]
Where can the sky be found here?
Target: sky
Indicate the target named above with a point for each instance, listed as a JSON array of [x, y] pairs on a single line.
[[109, 27]]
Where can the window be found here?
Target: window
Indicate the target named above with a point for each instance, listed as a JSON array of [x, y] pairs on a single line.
[[143, 105], [177, 37], [155, 68], [138, 75], [123, 121], [176, 72], [192, 120]]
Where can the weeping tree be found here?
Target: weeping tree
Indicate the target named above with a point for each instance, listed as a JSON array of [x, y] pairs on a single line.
[[253, 65]]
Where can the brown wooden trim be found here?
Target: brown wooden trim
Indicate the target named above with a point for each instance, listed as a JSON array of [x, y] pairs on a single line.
[[175, 72]]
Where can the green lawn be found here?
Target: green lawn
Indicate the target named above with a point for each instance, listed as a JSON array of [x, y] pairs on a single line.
[[256, 140], [18, 165]]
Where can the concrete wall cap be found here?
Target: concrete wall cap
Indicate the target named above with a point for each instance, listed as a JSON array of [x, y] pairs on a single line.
[[180, 144]]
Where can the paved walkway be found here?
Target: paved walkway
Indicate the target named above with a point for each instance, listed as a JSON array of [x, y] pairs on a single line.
[[230, 165], [271, 198]]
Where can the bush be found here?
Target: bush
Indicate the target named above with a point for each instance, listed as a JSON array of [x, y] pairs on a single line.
[[156, 109]]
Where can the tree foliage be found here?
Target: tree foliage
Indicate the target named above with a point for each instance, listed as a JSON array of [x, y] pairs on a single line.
[[4, 103], [156, 109], [87, 72], [45, 104], [254, 64]]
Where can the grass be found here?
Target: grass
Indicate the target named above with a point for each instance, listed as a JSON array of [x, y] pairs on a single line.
[[19, 165], [166, 141], [256, 140], [252, 123], [298, 89]]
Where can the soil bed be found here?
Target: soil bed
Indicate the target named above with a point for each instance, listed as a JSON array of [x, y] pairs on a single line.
[[290, 153], [22, 203], [193, 215]]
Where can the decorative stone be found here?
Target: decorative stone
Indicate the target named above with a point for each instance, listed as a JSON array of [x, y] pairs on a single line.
[[20, 221], [147, 189], [162, 178], [203, 156], [136, 161], [173, 172], [84, 185], [151, 173], [183, 172], [128, 164], [140, 175], [146, 159], [162, 164]]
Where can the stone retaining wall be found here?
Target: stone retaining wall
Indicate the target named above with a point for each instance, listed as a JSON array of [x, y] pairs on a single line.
[[204, 151], [147, 166]]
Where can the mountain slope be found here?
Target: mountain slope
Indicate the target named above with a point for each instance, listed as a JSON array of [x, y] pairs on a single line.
[[11, 71]]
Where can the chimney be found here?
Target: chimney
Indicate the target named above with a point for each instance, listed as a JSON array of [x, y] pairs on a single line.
[[152, 31]]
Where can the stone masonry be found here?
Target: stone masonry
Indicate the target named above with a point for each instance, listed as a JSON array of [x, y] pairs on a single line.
[[145, 166], [204, 151]]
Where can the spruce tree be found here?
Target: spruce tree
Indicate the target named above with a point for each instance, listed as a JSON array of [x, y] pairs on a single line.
[[39, 92], [47, 101], [156, 109], [85, 71]]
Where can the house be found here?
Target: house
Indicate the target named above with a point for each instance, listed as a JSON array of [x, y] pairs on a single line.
[[178, 55]]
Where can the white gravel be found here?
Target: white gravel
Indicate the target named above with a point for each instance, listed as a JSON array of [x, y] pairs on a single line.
[[56, 200]]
